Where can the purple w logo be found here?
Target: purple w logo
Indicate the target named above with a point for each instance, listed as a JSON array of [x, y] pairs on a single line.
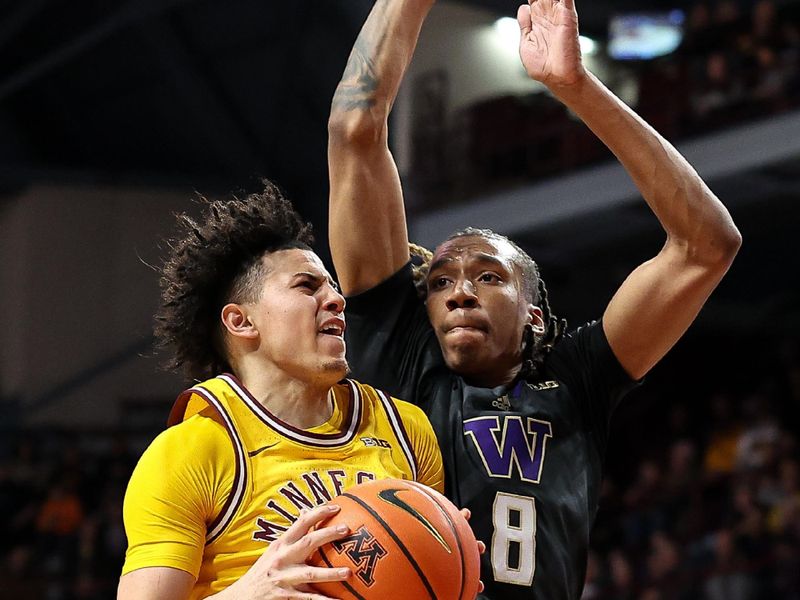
[[503, 446], [361, 548]]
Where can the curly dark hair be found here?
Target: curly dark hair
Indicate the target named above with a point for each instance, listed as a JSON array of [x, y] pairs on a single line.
[[218, 260], [537, 347]]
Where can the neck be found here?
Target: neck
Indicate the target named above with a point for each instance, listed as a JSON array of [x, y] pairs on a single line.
[[300, 403], [492, 380]]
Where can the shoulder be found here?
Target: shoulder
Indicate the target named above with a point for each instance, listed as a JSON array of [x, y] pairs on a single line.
[[577, 345], [395, 299], [197, 444], [188, 468], [412, 416], [407, 412], [202, 433], [584, 360], [400, 280]]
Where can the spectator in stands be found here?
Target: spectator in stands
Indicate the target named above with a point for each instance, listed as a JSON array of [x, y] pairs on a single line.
[[725, 431], [729, 579]]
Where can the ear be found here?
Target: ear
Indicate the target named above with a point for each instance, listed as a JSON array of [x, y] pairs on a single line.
[[237, 322], [536, 319]]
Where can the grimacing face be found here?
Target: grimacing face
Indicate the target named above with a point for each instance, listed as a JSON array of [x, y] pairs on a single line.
[[478, 308], [300, 317]]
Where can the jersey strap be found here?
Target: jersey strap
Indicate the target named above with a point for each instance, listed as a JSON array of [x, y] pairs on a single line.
[[399, 431]]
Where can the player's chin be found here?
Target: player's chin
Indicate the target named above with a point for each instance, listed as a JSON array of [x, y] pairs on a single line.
[[464, 360], [464, 348], [336, 367]]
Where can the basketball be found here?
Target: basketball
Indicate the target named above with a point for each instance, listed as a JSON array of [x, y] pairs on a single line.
[[406, 541]]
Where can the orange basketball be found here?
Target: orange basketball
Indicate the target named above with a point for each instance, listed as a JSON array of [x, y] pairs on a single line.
[[406, 541]]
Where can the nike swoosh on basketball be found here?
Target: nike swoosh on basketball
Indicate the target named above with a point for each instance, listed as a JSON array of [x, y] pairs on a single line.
[[390, 496]]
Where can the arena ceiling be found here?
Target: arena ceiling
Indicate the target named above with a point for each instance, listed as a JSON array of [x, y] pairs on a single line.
[[211, 94], [180, 90]]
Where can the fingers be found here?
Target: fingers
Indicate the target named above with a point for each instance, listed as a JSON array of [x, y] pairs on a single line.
[[467, 513], [308, 520], [304, 574], [524, 19], [481, 547], [304, 547]]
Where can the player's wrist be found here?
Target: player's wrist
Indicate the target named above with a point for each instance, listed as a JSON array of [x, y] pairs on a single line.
[[572, 89]]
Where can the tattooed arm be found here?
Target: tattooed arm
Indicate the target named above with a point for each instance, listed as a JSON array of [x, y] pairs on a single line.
[[368, 235]]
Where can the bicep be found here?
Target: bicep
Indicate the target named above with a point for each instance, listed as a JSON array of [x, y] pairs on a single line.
[[655, 306], [155, 583], [367, 223], [166, 512]]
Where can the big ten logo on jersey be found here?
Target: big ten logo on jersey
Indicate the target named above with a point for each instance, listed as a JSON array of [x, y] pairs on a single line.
[[543, 385], [373, 442], [363, 550], [306, 491], [508, 442]]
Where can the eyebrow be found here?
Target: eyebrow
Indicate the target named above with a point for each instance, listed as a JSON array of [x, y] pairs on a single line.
[[318, 278], [482, 257], [438, 264]]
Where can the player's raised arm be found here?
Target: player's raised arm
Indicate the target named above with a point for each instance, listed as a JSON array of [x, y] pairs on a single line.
[[368, 235], [660, 298]]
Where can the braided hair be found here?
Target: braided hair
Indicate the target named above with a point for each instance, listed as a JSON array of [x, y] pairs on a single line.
[[535, 347], [215, 261]]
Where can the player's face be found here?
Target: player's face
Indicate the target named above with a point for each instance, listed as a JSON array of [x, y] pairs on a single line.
[[478, 308], [300, 317]]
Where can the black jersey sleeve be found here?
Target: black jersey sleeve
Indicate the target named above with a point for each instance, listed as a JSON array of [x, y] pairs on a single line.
[[390, 342], [584, 360]]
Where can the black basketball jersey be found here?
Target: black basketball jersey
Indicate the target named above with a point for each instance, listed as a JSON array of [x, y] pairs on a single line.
[[525, 459]]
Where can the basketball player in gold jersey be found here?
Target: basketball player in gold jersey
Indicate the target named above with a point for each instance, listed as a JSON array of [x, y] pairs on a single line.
[[227, 502]]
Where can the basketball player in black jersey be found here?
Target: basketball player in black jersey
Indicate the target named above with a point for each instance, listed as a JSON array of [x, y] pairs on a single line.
[[521, 407]]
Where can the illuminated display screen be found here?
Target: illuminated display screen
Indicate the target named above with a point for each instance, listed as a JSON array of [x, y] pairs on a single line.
[[640, 36]]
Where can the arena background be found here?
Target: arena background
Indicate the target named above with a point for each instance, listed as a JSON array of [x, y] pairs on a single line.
[[115, 115]]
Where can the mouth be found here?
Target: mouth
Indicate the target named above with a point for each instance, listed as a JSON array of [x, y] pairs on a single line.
[[465, 332], [463, 328], [333, 327], [471, 325]]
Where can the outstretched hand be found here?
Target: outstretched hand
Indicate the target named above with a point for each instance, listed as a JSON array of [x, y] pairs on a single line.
[[549, 47]]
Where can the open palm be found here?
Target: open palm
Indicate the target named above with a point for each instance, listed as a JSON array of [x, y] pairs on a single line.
[[549, 46]]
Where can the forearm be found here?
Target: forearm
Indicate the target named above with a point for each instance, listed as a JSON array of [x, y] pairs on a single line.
[[367, 224], [690, 213], [381, 54]]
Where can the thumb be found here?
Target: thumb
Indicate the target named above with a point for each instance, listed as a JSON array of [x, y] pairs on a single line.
[[524, 19]]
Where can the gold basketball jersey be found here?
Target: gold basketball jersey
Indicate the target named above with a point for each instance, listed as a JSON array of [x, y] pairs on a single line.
[[278, 469]]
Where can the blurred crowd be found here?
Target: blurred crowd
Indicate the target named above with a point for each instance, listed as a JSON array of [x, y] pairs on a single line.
[[61, 513], [701, 498], [739, 61], [708, 506]]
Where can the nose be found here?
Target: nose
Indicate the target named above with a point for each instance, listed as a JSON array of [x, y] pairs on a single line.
[[333, 301], [462, 295]]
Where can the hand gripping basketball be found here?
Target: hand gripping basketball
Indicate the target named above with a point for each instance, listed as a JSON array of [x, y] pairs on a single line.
[[406, 541], [281, 572]]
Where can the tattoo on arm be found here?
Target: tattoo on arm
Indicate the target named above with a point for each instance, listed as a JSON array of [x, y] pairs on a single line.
[[360, 80]]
